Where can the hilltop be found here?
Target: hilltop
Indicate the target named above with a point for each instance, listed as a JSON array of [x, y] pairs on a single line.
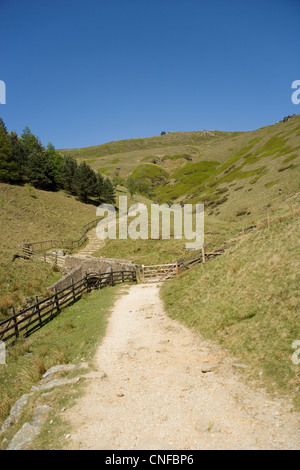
[[235, 174], [241, 177]]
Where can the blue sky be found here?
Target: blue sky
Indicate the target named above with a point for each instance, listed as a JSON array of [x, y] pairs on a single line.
[[85, 72]]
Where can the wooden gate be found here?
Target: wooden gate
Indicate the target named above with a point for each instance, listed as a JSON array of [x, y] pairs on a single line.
[[158, 272]]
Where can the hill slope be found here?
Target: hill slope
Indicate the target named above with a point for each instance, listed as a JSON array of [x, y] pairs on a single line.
[[234, 174], [248, 300], [29, 214]]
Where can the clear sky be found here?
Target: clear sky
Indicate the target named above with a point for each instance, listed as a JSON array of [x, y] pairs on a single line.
[[85, 72]]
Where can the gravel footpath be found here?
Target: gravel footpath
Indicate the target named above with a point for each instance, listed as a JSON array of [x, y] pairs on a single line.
[[159, 386]]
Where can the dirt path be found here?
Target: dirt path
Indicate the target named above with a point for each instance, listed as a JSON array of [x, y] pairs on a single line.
[[168, 389], [93, 244]]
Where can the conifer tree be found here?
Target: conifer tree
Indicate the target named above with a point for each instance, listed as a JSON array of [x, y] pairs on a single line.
[[8, 167]]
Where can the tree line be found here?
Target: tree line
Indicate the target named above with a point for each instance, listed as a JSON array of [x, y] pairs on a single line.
[[25, 160]]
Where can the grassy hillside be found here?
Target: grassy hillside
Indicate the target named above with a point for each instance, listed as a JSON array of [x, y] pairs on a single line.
[[236, 175], [127, 154], [31, 215], [248, 300]]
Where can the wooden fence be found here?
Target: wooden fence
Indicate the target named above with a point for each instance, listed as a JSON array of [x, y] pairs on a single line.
[[34, 317], [33, 247], [52, 258], [163, 272]]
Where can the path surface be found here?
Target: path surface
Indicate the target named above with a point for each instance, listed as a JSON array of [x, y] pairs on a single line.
[[94, 244], [159, 394]]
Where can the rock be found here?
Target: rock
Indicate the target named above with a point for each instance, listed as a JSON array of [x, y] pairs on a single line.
[[54, 383], [239, 366], [23, 438], [15, 412], [209, 368], [120, 394], [64, 368], [102, 375]]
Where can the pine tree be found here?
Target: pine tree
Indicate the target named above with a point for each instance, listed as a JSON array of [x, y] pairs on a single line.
[[69, 170], [100, 188], [109, 195], [57, 161], [19, 155], [8, 167], [30, 140], [40, 170], [85, 182], [3, 125]]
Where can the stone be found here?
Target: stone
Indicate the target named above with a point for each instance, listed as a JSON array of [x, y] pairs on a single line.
[[15, 412], [239, 366], [64, 368], [23, 438], [54, 383], [209, 368]]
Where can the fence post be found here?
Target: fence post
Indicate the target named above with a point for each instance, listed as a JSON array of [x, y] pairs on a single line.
[[177, 268], [56, 300], [111, 278], [86, 281], [203, 254], [122, 276], [38, 310], [73, 290], [143, 273], [15, 322]]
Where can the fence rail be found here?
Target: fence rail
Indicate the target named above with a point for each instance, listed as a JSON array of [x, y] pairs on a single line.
[[28, 320], [32, 247], [162, 272]]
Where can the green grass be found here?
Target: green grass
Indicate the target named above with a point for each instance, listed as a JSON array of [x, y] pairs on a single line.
[[218, 160], [248, 301], [71, 337], [32, 215], [150, 173]]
